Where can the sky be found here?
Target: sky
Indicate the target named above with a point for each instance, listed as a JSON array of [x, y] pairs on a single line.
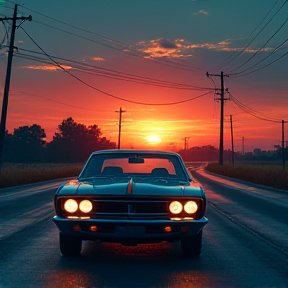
[[87, 59]]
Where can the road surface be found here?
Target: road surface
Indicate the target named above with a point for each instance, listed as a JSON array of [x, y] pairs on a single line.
[[244, 244]]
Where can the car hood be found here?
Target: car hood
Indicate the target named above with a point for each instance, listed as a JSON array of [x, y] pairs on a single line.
[[122, 187]]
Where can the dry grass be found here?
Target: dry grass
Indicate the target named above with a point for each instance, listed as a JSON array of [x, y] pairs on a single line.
[[269, 175], [19, 174]]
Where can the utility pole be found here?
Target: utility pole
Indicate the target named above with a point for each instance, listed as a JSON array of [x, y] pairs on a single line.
[[186, 146], [232, 140], [222, 99], [243, 151], [8, 76], [283, 148], [120, 123]]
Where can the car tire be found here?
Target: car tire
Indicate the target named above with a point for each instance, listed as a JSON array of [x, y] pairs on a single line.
[[191, 246], [69, 245]]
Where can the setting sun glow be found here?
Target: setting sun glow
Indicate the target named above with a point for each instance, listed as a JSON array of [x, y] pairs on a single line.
[[153, 139]]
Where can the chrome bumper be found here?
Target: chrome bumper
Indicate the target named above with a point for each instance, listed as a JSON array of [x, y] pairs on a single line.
[[141, 231]]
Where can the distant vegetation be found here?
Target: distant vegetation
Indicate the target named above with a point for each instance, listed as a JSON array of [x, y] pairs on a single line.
[[28, 158], [72, 143], [264, 174], [14, 174], [210, 153]]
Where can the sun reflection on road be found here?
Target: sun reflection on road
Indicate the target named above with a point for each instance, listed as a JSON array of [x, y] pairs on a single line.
[[114, 265]]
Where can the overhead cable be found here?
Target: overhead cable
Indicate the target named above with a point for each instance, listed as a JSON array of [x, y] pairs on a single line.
[[245, 48], [253, 112], [258, 69], [99, 71], [128, 50], [59, 102], [219, 65], [261, 47], [241, 73], [109, 94]]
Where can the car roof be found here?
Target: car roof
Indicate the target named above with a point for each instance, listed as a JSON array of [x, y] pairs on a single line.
[[140, 151]]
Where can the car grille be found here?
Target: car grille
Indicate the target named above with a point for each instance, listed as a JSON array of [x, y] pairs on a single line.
[[121, 209]]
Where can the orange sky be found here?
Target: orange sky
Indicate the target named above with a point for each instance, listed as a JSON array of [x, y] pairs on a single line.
[[44, 94]]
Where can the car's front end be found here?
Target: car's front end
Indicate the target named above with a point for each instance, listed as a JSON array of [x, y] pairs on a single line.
[[130, 210], [130, 218]]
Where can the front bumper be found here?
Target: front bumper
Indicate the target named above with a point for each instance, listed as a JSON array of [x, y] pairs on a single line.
[[140, 231]]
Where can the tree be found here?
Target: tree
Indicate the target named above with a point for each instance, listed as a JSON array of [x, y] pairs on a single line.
[[34, 135], [26, 144], [8, 155], [74, 142], [204, 153]]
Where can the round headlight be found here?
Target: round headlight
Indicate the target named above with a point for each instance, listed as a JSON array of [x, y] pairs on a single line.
[[175, 207], [191, 207], [71, 205], [85, 206]]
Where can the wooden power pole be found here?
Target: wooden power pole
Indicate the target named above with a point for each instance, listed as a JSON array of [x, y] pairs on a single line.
[[7, 82], [120, 124], [232, 140], [222, 99]]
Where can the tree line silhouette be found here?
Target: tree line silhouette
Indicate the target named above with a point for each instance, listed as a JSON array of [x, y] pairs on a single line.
[[209, 153], [72, 143]]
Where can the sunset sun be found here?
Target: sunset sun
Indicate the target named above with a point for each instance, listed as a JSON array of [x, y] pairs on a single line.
[[153, 139]]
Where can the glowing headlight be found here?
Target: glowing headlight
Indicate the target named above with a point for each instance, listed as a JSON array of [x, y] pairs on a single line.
[[191, 207], [71, 205], [85, 206], [175, 207]]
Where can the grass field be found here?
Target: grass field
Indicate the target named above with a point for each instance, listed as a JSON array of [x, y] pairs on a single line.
[[19, 174], [260, 173]]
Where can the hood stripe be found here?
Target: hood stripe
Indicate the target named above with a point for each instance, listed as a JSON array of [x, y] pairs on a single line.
[[129, 188]]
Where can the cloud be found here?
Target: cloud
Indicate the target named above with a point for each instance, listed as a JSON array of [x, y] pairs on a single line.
[[98, 59], [203, 12], [179, 48], [47, 67], [167, 43], [247, 50], [162, 48]]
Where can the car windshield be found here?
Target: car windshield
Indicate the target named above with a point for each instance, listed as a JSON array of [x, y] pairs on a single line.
[[134, 165]]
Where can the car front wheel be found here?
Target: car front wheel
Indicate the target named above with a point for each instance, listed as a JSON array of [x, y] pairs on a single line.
[[191, 246], [69, 245]]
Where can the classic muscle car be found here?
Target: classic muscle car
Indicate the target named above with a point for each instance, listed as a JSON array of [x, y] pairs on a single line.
[[131, 197]]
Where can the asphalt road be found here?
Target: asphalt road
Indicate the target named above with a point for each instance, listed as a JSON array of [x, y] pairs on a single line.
[[244, 245]]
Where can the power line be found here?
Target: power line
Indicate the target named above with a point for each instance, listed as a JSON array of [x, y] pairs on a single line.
[[59, 102], [108, 94], [258, 69], [111, 73], [261, 47], [6, 36], [219, 65], [253, 112], [245, 48], [262, 60], [131, 52], [128, 50]]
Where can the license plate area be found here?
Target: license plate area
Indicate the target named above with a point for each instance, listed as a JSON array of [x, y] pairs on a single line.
[[129, 231]]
